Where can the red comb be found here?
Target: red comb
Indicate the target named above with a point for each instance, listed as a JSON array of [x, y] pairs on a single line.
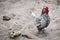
[[46, 7], [47, 10]]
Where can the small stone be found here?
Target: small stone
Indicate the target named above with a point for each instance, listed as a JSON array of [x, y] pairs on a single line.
[[10, 29], [6, 18]]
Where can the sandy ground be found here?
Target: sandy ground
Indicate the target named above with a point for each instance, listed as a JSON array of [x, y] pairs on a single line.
[[22, 20]]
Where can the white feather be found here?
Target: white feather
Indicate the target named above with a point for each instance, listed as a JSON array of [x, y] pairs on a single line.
[[34, 15]]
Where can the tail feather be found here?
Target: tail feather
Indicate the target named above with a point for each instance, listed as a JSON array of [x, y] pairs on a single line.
[[34, 15]]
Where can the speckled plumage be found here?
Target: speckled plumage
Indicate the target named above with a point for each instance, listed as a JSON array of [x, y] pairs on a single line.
[[43, 20]]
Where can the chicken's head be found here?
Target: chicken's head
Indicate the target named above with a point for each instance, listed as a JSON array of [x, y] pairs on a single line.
[[45, 10]]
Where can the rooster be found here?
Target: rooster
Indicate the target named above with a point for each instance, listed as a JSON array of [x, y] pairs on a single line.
[[43, 20]]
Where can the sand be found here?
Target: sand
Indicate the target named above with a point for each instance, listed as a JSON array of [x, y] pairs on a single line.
[[21, 19]]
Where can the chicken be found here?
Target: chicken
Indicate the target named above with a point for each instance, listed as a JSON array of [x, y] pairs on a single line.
[[43, 20]]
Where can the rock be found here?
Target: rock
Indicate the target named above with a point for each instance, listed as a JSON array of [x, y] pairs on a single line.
[[14, 34], [6, 18], [27, 36]]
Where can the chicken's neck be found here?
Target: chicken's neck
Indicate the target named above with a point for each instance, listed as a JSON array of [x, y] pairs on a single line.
[[44, 14]]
